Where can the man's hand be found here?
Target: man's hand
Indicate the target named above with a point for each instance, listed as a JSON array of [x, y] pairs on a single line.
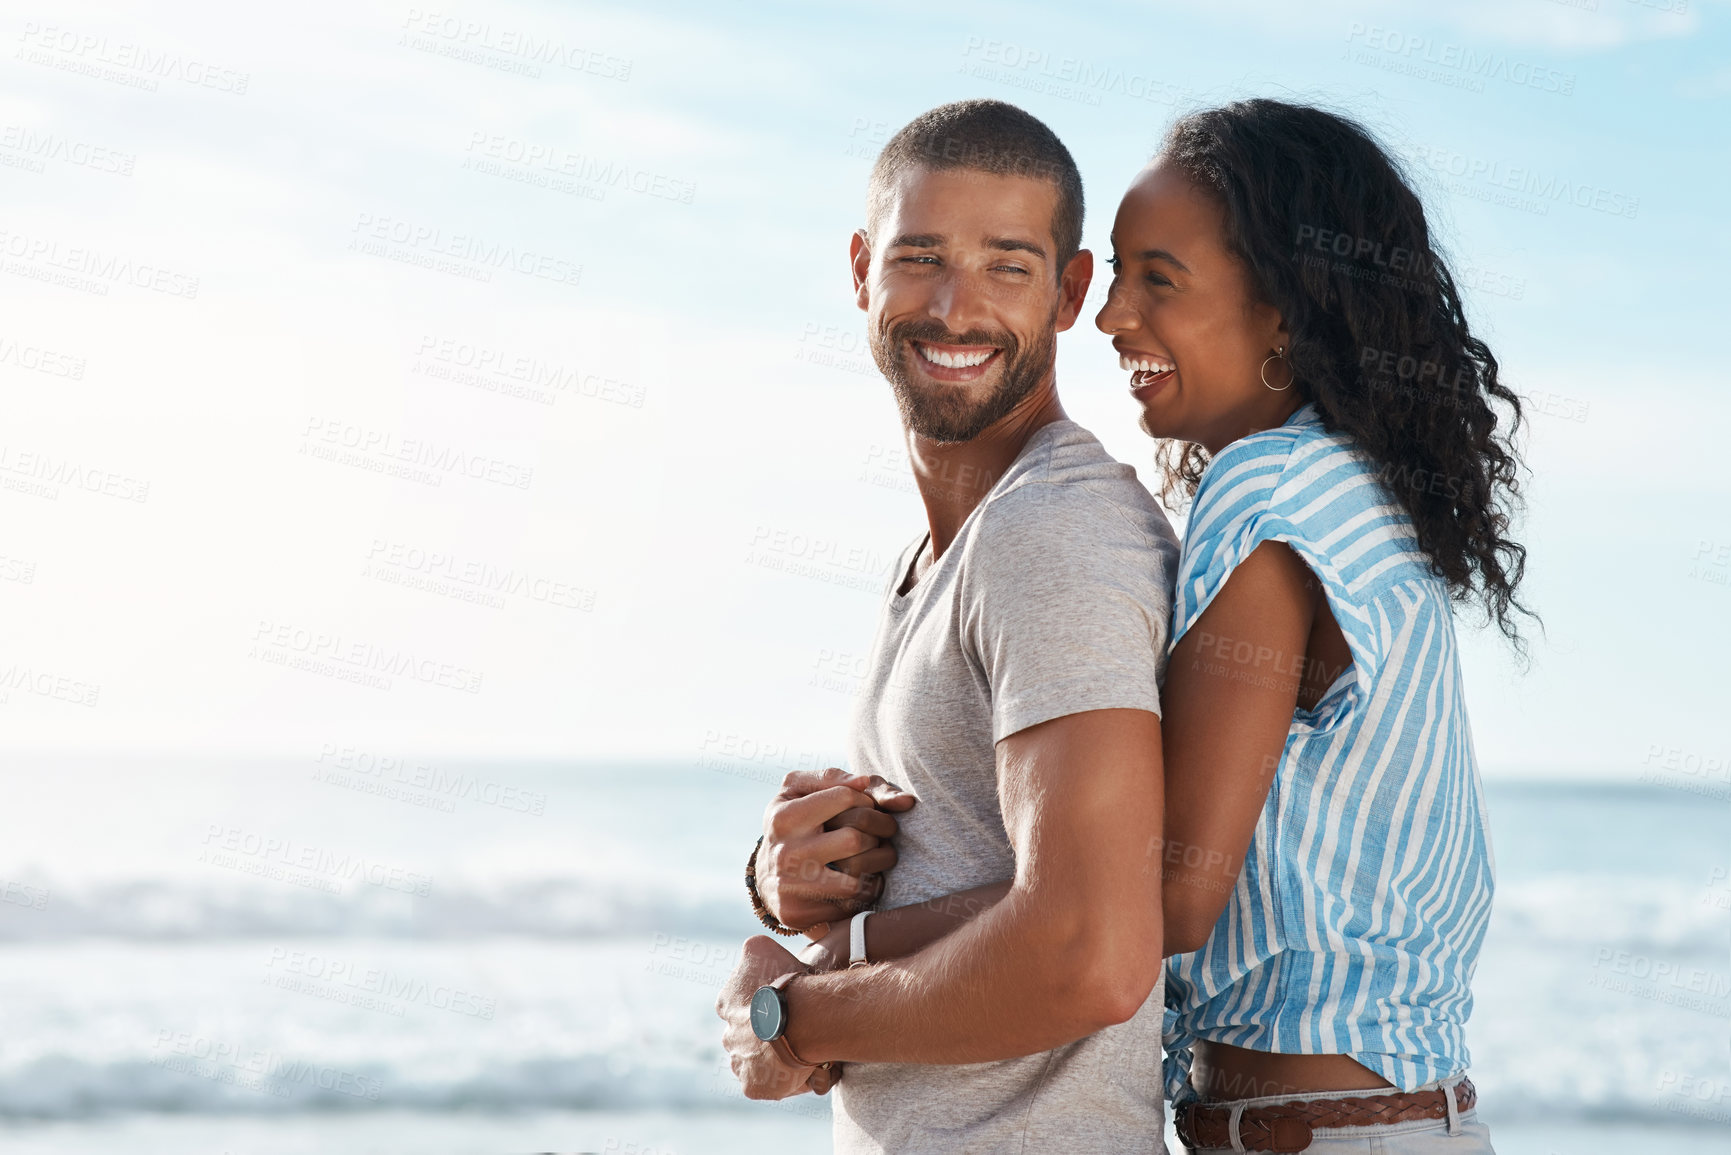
[[825, 845], [756, 1065], [1073, 947]]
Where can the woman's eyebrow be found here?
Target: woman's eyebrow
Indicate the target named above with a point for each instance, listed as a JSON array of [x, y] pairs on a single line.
[[1163, 255]]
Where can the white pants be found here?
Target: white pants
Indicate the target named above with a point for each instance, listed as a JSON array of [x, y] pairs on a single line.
[[1460, 1134]]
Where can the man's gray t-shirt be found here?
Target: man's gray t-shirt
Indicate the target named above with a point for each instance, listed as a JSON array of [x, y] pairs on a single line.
[[1055, 598]]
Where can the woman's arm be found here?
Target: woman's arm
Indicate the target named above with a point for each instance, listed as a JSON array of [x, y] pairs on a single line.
[[1232, 685], [904, 930]]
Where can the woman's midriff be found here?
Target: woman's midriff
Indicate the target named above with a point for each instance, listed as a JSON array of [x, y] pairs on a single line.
[[1222, 1071]]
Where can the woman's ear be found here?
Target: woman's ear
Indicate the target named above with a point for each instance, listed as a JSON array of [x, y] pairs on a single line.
[[1274, 330]]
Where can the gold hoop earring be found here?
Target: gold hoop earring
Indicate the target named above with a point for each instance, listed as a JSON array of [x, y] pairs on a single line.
[[1278, 354]]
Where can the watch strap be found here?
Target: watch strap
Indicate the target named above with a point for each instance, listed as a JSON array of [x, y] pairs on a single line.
[[782, 1047], [856, 943], [784, 1052]]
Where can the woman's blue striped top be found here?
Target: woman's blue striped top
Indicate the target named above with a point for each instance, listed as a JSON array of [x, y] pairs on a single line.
[[1356, 920]]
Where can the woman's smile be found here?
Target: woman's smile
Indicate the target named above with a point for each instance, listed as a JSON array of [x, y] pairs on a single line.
[[1148, 373]]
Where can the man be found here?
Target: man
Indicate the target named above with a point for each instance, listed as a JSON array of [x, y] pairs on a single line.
[[1012, 689]]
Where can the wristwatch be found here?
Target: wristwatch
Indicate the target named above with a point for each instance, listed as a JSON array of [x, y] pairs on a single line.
[[769, 1019]]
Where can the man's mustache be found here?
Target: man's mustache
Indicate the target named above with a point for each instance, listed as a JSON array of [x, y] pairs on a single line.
[[937, 334]]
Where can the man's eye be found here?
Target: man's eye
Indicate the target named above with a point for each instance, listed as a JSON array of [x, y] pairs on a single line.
[[926, 257], [1011, 269]]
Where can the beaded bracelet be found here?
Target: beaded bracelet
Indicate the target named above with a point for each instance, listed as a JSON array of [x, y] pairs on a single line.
[[769, 920]]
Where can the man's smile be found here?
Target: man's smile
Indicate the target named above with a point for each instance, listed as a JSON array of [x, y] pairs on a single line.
[[954, 363]]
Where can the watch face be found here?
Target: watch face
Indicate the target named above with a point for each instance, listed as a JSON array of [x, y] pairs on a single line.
[[767, 1019]]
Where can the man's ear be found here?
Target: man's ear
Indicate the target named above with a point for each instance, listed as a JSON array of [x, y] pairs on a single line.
[[860, 254], [1073, 285]]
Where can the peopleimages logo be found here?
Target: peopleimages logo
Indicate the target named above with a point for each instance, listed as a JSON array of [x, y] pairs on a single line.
[[36, 359], [135, 65], [46, 684], [288, 854], [22, 894], [749, 756], [446, 571], [820, 559], [585, 169], [1065, 77], [46, 253], [253, 1068], [49, 473], [331, 654], [401, 776], [1662, 980], [1545, 188], [382, 445], [38, 148], [1464, 66], [380, 989], [516, 373], [432, 247], [481, 42]]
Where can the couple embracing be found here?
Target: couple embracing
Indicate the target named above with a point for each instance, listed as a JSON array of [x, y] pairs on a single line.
[[1135, 821]]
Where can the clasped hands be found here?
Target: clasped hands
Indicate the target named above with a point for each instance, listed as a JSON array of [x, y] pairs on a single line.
[[826, 846]]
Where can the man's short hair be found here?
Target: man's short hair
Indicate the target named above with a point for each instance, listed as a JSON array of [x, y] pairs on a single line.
[[986, 136]]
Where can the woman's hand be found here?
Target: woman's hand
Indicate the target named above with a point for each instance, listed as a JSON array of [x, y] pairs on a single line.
[[826, 843], [829, 951]]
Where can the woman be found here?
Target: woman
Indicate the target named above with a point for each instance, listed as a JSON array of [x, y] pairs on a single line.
[[1328, 867], [1300, 350]]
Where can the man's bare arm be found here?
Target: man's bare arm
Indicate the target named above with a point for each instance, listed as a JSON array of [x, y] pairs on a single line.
[[1075, 946], [1228, 706]]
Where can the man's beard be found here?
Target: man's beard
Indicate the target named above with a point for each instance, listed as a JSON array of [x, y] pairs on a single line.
[[940, 412]]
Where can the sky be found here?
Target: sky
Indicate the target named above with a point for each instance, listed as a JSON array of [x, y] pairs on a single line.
[[486, 379]]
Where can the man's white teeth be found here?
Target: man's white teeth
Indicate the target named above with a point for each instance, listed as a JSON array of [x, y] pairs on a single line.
[[1144, 364], [953, 360]]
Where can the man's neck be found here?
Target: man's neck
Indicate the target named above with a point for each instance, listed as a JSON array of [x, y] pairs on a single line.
[[954, 476]]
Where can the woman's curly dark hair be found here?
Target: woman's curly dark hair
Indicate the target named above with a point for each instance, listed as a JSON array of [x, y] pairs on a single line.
[[1336, 240]]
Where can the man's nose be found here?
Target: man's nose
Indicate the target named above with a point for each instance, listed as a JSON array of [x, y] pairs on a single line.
[[962, 301]]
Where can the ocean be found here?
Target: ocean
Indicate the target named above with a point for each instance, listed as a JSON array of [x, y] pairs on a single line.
[[352, 954]]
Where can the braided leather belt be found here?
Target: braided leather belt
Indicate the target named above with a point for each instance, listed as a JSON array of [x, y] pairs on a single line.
[[1287, 1127]]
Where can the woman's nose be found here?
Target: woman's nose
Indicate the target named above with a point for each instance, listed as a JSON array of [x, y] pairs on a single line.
[[1114, 316]]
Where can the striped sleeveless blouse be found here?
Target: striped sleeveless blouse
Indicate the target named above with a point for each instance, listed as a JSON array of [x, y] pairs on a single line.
[[1358, 914]]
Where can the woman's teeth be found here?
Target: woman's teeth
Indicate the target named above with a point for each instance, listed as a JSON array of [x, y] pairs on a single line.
[[953, 360], [1151, 365]]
